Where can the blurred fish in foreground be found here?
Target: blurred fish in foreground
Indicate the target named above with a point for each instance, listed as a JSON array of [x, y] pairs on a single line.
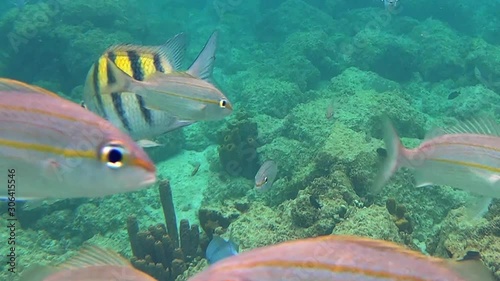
[[220, 248], [57, 149], [91, 264], [266, 175], [466, 156], [187, 95], [125, 109], [345, 258]]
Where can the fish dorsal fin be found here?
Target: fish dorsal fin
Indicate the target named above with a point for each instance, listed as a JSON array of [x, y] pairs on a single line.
[[203, 66], [172, 51], [18, 86], [92, 256], [480, 126]]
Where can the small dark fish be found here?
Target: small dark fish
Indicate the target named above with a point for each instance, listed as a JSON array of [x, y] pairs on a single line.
[[314, 202], [381, 152], [195, 169], [453, 95]]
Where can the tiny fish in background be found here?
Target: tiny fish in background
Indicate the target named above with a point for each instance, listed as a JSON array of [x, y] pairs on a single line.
[[90, 264], [453, 95], [196, 167], [148, 143], [266, 175], [466, 156], [391, 5], [220, 248], [60, 150], [330, 112], [345, 258]]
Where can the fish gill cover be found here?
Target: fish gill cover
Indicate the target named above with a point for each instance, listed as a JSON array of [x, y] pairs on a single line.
[[309, 82]]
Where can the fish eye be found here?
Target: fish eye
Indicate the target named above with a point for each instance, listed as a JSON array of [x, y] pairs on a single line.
[[265, 179], [113, 154], [223, 103]]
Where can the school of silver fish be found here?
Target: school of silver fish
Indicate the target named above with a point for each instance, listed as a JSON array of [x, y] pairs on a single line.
[[133, 93]]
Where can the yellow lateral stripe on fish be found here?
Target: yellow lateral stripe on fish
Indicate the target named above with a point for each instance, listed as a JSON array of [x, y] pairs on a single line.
[[186, 97], [467, 164], [70, 153], [48, 113], [313, 265], [469, 144]]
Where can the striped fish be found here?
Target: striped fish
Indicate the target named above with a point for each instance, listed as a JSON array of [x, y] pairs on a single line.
[[266, 175], [342, 258], [53, 148], [126, 110], [90, 264], [189, 95], [466, 156]]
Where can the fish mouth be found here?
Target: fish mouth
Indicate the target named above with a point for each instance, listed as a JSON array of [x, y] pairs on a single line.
[[150, 180], [145, 164]]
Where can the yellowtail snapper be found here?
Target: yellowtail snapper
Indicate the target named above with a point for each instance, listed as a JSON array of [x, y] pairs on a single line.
[[345, 258], [466, 156], [186, 95], [90, 264], [125, 109], [60, 150]]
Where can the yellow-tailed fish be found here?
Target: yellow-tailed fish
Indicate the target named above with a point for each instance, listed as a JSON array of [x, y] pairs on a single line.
[[266, 175], [187, 95], [466, 156], [126, 110], [54, 148], [90, 264], [342, 258]]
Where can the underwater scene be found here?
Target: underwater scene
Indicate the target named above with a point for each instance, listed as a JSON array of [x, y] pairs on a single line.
[[258, 140]]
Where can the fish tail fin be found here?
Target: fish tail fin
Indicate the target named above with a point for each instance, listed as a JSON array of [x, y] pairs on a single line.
[[203, 66], [397, 155]]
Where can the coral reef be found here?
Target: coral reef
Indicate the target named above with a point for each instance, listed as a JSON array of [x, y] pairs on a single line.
[[238, 146], [401, 218], [161, 251]]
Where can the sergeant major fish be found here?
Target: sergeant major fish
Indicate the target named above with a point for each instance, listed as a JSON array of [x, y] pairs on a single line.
[[57, 149], [125, 109], [90, 264], [466, 156], [343, 258], [187, 95]]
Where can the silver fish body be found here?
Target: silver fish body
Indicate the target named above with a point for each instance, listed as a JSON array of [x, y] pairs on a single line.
[[60, 150], [266, 175], [188, 95], [124, 109], [466, 157]]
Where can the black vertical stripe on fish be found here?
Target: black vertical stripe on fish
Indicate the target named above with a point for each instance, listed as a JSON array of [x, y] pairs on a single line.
[[157, 63], [97, 90], [111, 77], [117, 103], [135, 65], [146, 113]]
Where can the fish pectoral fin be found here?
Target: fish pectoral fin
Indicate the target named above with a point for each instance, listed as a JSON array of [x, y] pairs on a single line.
[[478, 207], [144, 143], [203, 66], [121, 82], [487, 176], [472, 268]]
